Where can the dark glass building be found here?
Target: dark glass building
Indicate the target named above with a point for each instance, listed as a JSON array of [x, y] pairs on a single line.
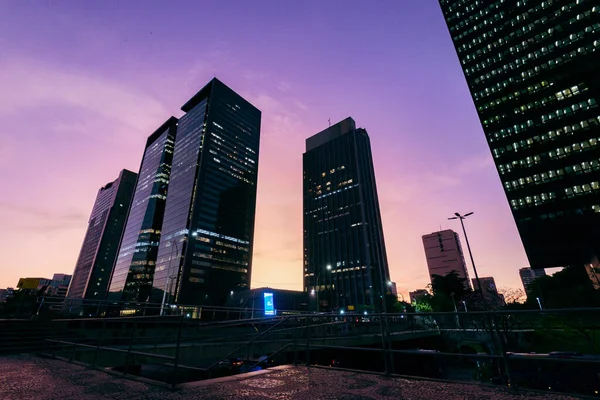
[[345, 262], [134, 268], [205, 249], [105, 228], [532, 69]]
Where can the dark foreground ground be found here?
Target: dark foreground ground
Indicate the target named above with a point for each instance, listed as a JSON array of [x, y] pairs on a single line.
[[29, 377]]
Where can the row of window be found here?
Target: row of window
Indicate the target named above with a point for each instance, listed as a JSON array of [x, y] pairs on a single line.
[[497, 56], [551, 64], [534, 200], [561, 152], [481, 38], [528, 90], [466, 21], [563, 112], [551, 135], [520, 62], [580, 190], [557, 114], [558, 96], [544, 177]]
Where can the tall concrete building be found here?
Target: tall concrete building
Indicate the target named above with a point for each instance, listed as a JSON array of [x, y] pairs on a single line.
[[532, 70], [444, 254], [134, 268], [207, 235], [528, 275], [345, 262], [101, 242]]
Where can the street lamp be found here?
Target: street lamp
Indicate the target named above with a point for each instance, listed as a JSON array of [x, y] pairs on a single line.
[[318, 289], [461, 218]]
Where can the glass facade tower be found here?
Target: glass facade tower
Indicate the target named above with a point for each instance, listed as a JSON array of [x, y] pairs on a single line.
[[101, 242], [345, 262], [532, 70], [134, 268], [205, 249]]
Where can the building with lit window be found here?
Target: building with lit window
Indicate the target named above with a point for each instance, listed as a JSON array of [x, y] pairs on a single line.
[[528, 275], [444, 254], [101, 242], [532, 69], [206, 242], [133, 273], [345, 262]]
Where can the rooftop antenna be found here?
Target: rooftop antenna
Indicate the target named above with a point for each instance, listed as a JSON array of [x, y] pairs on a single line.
[[329, 121]]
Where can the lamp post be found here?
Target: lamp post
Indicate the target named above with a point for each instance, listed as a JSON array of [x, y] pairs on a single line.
[[461, 218], [318, 289]]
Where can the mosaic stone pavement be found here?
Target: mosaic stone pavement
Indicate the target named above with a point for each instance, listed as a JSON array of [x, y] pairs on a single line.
[[28, 377]]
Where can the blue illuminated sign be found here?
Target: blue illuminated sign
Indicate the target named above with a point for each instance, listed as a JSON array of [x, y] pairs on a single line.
[[269, 304]]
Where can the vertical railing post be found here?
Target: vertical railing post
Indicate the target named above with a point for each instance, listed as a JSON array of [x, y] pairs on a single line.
[[296, 342], [177, 348], [307, 336], [99, 342], [131, 341], [504, 349], [384, 346]]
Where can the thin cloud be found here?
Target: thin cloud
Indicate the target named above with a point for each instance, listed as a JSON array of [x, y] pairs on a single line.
[[27, 85]]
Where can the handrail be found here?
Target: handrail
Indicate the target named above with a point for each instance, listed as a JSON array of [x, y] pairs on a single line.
[[248, 343]]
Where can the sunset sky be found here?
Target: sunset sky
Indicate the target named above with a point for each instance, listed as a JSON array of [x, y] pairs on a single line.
[[82, 85]]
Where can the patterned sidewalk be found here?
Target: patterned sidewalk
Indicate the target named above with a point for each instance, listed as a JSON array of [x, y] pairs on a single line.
[[28, 377]]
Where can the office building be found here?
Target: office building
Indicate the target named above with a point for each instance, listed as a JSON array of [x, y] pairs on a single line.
[[134, 268], [207, 236], [101, 242], [528, 275], [531, 68], [444, 254], [345, 262]]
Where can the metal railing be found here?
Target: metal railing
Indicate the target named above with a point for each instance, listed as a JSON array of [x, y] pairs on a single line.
[[54, 307], [548, 349]]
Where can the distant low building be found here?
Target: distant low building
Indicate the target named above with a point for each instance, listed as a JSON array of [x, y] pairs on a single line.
[[417, 294], [254, 302], [528, 275], [490, 291]]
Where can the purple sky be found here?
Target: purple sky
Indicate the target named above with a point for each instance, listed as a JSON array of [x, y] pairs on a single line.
[[84, 83]]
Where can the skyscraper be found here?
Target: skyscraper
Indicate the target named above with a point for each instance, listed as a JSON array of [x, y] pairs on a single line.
[[206, 242], [134, 268], [444, 254], [528, 275], [105, 228], [532, 69], [345, 262]]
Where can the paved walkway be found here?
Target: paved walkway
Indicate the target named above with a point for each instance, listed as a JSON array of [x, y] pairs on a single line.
[[31, 378]]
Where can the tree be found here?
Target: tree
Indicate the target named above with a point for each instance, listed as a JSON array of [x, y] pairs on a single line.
[[570, 287], [448, 290], [513, 295]]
